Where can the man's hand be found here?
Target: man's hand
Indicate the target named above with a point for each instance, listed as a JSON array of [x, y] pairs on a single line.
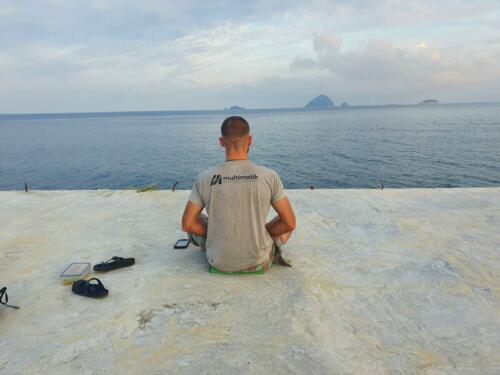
[[285, 221], [192, 221]]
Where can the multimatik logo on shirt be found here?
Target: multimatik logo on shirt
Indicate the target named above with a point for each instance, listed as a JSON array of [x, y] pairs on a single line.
[[218, 179]]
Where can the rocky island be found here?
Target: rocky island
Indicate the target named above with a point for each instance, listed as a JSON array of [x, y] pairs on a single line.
[[429, 101], [320, 102], [234, 108]]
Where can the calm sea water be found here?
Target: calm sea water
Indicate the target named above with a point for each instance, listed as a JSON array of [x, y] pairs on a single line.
[[418, 146]]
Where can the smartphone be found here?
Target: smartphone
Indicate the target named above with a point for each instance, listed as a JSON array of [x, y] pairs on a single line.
[[181, 244]]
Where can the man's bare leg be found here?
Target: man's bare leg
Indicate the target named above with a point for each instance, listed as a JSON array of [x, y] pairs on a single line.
[[283, 238], [199, 240], [279, 242]]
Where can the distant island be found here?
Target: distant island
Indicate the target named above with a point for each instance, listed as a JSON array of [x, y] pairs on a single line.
[[320, 102], [234, 108], [429, 101], [344, 105]]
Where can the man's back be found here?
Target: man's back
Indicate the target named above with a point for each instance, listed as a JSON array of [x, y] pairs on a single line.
[[237, 196]]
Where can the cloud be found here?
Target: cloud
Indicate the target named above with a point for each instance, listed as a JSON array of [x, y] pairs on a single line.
[[73, 20], [376, 60], [380, 62], [124, 54]]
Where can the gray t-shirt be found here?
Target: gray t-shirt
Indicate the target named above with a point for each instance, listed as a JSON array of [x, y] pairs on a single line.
[[237, 196]]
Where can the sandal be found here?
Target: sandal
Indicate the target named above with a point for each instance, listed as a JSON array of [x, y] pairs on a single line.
[[86, 289], [4, 298], [113, 264]]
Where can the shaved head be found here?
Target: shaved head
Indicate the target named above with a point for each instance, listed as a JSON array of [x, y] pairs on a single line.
[[234, 128]]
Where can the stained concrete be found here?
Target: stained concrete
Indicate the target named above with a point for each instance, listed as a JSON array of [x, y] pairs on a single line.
[[384, 282]]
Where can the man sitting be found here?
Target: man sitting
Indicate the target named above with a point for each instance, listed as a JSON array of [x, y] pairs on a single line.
[[237, 196]]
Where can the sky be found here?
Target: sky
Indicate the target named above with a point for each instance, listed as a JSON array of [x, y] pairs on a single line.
[[129, 55]]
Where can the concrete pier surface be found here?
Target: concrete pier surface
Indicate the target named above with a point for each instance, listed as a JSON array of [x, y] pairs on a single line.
[[384, 282]]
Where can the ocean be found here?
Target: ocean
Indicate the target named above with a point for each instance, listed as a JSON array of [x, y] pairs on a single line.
[[433, 146]]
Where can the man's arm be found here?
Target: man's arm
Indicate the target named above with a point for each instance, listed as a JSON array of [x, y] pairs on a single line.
[[285, 221], [192, 221]]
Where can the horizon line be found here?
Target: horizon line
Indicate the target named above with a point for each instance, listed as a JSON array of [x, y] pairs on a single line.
[[242, 110]]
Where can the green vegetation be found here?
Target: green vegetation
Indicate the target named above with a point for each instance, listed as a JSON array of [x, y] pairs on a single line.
[[144, 189]]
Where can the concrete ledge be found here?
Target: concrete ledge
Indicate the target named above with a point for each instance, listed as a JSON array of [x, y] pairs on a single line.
[[394, 281]]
